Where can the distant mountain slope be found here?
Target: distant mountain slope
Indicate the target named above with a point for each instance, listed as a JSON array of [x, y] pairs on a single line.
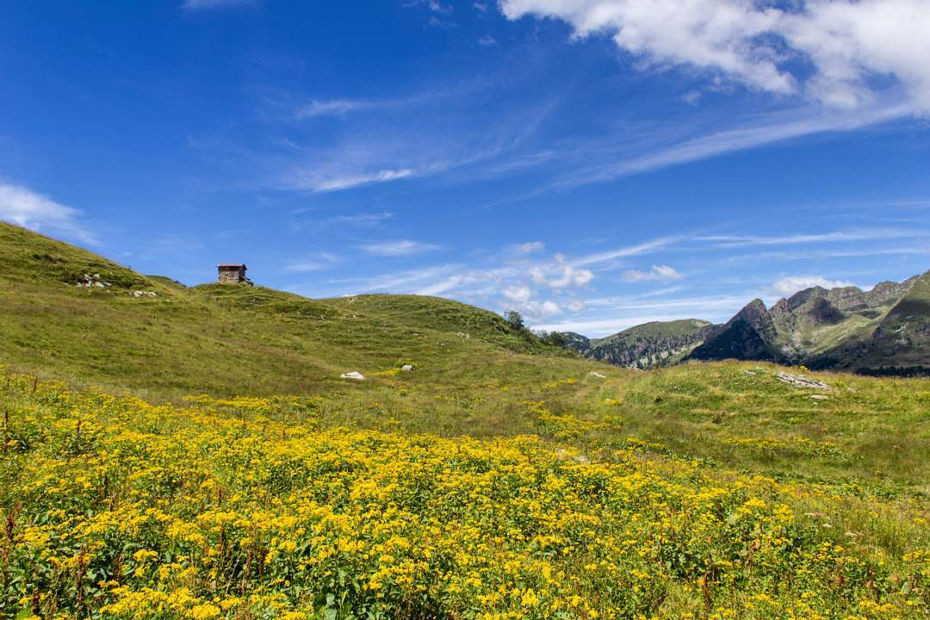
[[650, 345], [85, 317], [883, 330], [748, 335], [901, 343]]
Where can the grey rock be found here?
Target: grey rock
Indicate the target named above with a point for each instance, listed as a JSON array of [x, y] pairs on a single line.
[[802, 382]]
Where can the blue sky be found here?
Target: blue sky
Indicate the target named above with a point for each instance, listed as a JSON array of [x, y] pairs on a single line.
[[591, 163]]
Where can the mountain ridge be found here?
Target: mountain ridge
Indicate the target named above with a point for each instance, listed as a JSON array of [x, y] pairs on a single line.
[[883, 330]]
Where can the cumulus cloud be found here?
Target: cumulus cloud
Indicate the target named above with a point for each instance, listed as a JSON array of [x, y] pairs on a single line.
[[20, 205], [519, 293], [827, 50], [789, 285], [401, 247], [537, 310], [657, 272], [560, 274]]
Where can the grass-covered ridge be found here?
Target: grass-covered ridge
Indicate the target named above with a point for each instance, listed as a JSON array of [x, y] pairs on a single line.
[[223, 339]]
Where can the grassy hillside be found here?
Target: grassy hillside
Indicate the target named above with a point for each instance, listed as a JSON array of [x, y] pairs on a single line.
[[697, 491], [655, 330], [224, 339], [224, 470]]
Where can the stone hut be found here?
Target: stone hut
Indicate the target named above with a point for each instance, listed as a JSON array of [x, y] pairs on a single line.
[[231, 273]]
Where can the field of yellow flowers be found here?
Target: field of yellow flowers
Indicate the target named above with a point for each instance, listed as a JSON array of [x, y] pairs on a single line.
[[248, 508]]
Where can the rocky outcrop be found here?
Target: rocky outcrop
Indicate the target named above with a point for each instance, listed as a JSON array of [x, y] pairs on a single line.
[[750, 335]]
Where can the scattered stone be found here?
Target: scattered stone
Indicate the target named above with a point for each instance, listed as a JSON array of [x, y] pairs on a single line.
[[749, 372], [144, 294], [581, 459], [820, 397], [354, 376], [802, 382], [597, 375], [406, 368], [92, 281]]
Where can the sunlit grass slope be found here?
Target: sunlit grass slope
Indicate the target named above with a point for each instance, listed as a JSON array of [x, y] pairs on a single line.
[[258, 508], [206, 461], [225, 339]]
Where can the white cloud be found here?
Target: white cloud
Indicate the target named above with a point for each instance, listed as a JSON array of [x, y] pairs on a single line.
[[405, 281], [332, 107], [530, 247], [319, 262], [633, 250], [401, 247], [549, 308], [784, 287], [536, 310], [361, 219], [794, 124], [560, 274], [317, 180], [576, 305], [736, 241], [657, 272], [20, 205], [764, 46], [519, 293]]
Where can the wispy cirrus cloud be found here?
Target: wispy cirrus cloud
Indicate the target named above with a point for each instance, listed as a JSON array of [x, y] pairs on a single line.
[[781, 127], [360, 219], [647, 247], [29, 209], [333, 107], [400, 247], [737, 241], [317, 180], [531, 246], [321, 261]]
